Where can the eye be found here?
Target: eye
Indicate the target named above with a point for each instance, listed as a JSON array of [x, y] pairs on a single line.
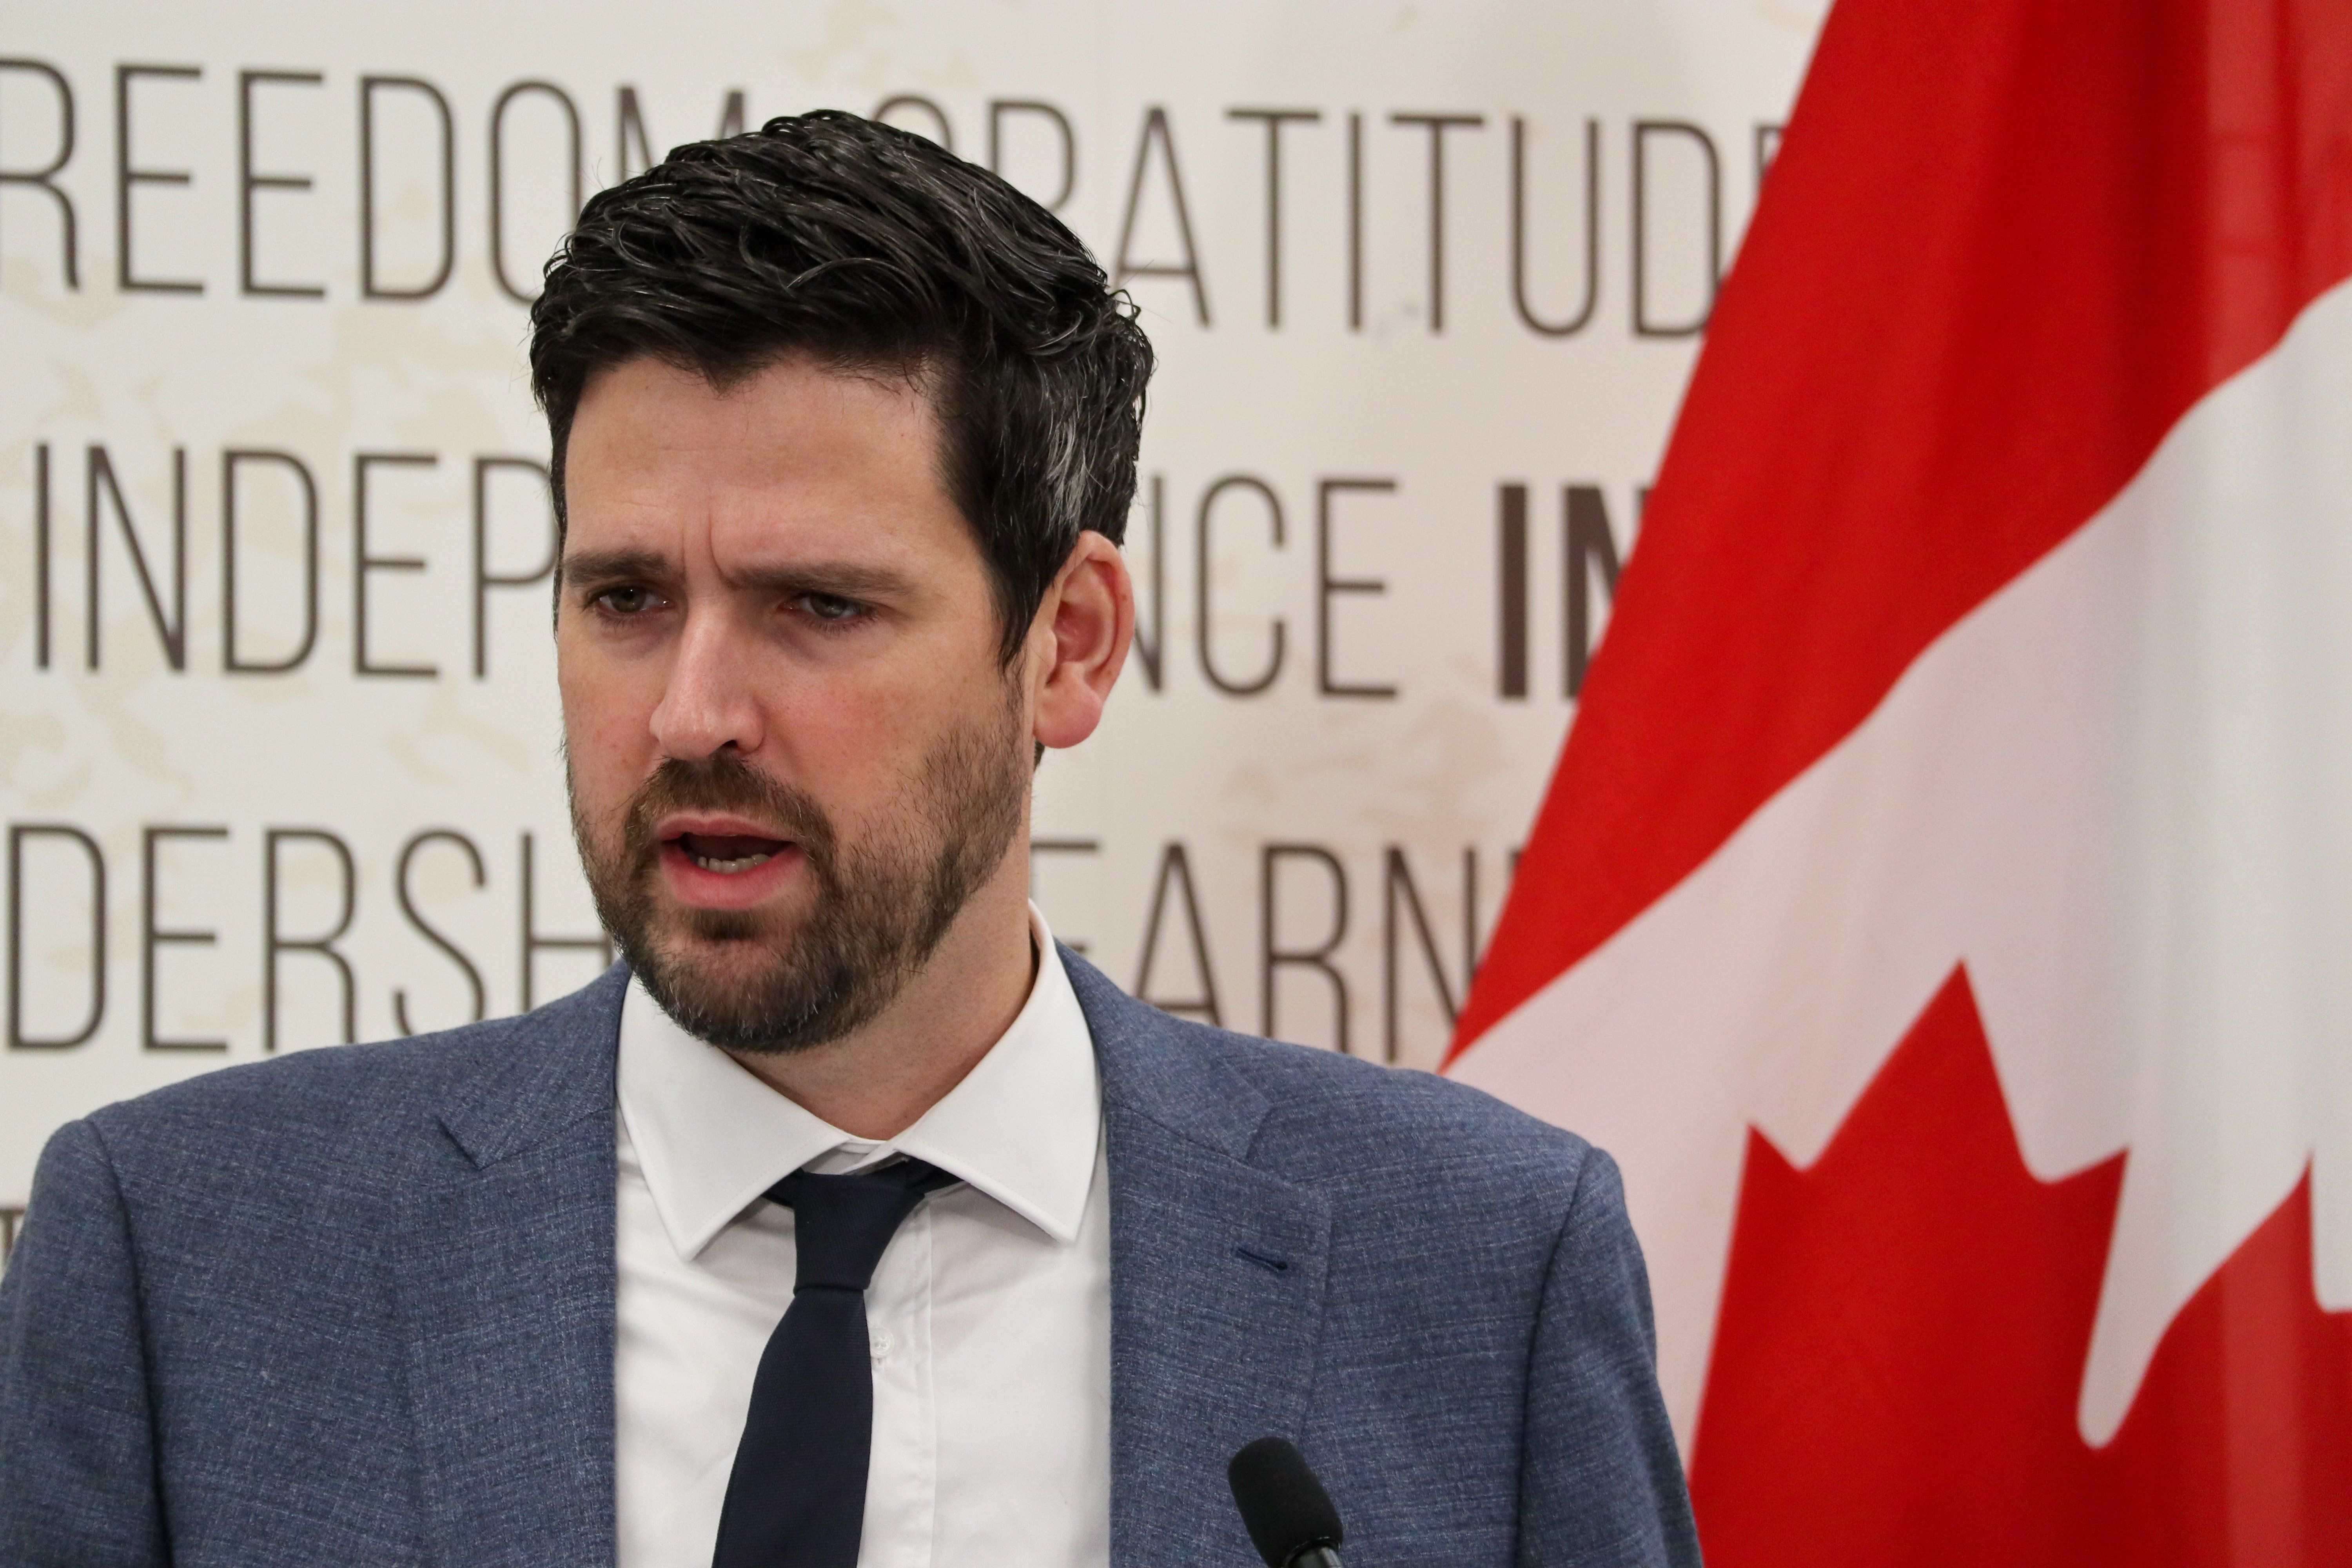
[[830, 607], [630, 599]]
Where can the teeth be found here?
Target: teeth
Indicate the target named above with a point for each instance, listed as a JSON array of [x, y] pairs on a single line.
[[726, 868]]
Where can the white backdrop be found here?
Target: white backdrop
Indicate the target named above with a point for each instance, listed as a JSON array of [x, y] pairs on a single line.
[[284, 747]]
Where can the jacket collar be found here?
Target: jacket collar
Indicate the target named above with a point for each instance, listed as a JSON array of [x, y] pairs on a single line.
[[556, 1066], [1147, 1069], [547, 1071], [1218, 1270]]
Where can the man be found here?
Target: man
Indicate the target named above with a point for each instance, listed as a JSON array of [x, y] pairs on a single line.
[[850, 1220]]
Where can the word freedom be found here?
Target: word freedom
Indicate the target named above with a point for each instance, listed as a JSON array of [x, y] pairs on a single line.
[[1409, 214]]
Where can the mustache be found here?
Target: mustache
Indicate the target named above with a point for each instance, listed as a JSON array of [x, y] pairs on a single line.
[[724, 782]]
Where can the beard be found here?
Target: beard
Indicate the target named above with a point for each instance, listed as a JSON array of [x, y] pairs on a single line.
[[771, 981]]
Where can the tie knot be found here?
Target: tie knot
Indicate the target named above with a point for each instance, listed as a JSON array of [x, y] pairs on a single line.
[[842, 1224]]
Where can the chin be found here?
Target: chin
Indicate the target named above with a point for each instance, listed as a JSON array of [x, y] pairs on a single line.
[[740, 952]]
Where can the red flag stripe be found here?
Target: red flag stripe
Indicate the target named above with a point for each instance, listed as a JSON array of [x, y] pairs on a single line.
[[2006, 246]]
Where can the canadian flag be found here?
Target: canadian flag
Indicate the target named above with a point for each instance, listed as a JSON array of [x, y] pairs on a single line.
[[1943, 906]]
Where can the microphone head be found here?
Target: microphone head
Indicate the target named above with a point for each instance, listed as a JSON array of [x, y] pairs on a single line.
[[1284, 1507]]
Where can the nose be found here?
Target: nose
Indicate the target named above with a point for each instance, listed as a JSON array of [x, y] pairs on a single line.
[[709, 703]]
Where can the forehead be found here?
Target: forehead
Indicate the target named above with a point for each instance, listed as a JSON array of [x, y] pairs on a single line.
[[795, 454]]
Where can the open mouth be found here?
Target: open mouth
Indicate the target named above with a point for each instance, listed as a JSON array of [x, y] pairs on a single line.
[[727, 861], [727, 854]]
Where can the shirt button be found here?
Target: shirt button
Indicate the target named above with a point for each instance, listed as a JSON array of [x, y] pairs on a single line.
[[881, 1346]]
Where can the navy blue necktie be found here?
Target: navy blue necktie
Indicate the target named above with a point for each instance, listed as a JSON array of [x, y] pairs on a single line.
[[796, 1497]]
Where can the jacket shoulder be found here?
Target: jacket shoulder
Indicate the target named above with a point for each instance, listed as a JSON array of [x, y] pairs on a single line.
[[1356, 1130], [1421, 1115], [344, 1104]]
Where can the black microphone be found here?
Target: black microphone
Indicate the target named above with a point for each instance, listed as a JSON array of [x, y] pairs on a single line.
[[1290, 1518]]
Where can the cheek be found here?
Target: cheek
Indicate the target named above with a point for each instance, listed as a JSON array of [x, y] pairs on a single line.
[[606, 722], [857, 736], [861, 747]]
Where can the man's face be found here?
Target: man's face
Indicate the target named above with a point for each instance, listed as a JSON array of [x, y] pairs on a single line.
[[793, 751]]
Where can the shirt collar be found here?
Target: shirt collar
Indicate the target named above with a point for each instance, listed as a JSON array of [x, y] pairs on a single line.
[[1022, 1126]]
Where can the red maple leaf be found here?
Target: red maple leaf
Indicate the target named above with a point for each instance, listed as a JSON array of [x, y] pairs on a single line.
[[1901, 1348]]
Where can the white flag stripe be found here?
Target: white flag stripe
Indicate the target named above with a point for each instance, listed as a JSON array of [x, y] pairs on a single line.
[[2121, 792]]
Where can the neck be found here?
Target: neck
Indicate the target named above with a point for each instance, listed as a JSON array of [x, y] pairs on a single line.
[[877, 1081]]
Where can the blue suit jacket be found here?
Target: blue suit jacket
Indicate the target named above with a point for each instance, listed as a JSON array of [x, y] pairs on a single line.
[[354, 1307]]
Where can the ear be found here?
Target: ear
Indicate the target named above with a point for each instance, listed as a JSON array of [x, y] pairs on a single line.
[[1078, 642]]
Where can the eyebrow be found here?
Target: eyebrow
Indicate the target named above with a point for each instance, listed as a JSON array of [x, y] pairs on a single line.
[[843, 579], [604, 565]]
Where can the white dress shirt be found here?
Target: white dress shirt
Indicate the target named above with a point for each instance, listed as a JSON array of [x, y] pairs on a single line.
[[989, 1313]]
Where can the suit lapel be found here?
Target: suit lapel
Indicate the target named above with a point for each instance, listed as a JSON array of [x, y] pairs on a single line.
[[507, 1294], [1217, 1276]]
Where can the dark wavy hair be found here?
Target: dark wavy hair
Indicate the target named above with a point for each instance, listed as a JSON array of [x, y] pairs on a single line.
[[866, 246]]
